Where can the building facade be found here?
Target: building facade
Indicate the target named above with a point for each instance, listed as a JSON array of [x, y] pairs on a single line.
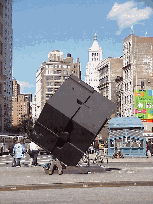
[[2, 57], [95, 56], [119, 92], [138, 77], [52, 74], [6, 38], [109, 69], [21, 104], [34, 109]]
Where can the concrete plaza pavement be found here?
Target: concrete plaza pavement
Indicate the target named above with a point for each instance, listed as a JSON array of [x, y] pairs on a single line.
[[126, 171]]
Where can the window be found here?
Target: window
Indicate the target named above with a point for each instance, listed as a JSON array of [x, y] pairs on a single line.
[[1, 10], [1, 48], [47, 96], [57, 83], [1, 67], [1, 29], [130, 98], [65, 72], [142, 84], [97, 54], [57, 77], [49, 83], [49, 90], [49, 78]]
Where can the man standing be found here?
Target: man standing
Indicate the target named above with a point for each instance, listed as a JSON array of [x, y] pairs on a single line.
[[55, 162], [18, 151], [34, 152], [11, 152]]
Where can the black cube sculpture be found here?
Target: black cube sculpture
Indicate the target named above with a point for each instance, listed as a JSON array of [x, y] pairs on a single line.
[[70, 120]]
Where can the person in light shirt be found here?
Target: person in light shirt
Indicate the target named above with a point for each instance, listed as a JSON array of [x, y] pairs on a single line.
[[18, 152], [34, 149]]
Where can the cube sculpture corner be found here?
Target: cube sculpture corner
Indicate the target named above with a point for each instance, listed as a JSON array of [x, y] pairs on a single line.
[[70, 120]]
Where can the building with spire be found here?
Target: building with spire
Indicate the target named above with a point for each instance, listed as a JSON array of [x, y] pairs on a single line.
[[95, 56]]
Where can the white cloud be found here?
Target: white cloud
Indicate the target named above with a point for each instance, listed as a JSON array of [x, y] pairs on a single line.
[[128, 14], [24, 84]]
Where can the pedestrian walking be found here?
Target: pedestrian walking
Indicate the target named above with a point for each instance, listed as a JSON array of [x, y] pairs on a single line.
[[12, 154], [55, 162], [18, 151], [33, 152]]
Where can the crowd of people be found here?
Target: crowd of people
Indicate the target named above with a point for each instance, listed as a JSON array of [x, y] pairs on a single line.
[[17, 151]]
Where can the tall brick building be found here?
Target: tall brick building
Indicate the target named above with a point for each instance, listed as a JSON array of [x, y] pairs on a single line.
[[137, 74], [6, 38], [109, 69], [20, 104], [2, 57], [51, 75]]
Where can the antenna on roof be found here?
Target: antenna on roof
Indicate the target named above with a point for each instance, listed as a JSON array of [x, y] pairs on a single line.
[[132, 29], [146, 33]]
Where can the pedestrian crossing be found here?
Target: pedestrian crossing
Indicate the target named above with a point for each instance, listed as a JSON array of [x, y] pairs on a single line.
[[7, 160]]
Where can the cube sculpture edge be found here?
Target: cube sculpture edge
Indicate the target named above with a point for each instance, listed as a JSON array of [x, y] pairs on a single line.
[[70, 120]]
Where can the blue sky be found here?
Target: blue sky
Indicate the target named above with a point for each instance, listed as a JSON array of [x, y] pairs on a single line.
[[69, 26]]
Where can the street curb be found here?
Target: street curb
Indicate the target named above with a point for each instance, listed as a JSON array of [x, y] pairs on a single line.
[[75, 185]]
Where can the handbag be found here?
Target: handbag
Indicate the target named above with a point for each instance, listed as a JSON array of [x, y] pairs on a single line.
[[30, 152]]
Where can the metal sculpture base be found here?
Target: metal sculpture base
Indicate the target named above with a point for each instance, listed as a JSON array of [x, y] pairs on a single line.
[[80, 170]]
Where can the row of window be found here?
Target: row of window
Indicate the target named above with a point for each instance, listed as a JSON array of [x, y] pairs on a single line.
[[127, 47], [65, 72], [93, 80], [56, 77], [52, 89], [1, 48], [1, 29], [58, 66], [94, 54], [53, 83], [1, 10], [95, 59], [1, 67], [103, 80], [126, 60], [128, 86], [128, 99], [128, 73], [103, 71]]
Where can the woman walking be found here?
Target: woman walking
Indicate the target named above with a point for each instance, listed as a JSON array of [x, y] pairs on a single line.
[[19, 151]]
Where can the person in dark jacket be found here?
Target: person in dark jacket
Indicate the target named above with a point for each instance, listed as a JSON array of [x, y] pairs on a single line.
[[11, 153]]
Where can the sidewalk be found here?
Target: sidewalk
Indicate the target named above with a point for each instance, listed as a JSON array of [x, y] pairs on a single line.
[[35, 176], [125, 159]]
